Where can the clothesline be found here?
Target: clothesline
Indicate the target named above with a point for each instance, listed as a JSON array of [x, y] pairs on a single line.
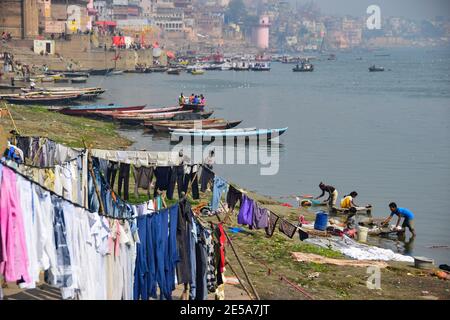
[[57, 195]]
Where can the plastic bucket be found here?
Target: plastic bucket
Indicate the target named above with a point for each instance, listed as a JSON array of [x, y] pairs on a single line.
[[321, 221], [362, 234]]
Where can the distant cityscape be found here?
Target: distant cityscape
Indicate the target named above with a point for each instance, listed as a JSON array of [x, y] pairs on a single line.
[[267, 25]]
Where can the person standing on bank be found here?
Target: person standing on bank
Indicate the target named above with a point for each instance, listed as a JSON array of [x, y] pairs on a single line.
[[401, 213], [332, 194]]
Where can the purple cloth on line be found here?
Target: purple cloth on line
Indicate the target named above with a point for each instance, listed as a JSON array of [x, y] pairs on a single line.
[[260, 217], [245, 215]]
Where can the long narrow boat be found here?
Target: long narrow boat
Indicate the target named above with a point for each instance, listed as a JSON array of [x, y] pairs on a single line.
[[100, 72], [246, 132], [193, 115], [87, 109], [76, 74], [66, 89], [195, 107], [164, 125], [140, 118], [43, 99], [205, 124], [111, 113]]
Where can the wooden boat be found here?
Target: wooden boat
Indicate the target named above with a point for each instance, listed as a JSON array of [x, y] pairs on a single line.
[[76, 74], [43, 99], [140, 118], [166, 126], [195, 107], [100, 72], [158, 69], [47, 79], [108, 114], [62, 80], [197, 72], [174, 71], [304, 67], [115, 73], [245, 132], [345, 211], [10, 87], [375, 69], [260, 66], [87, 109], [79, 80], [193, 115], [67, 89]]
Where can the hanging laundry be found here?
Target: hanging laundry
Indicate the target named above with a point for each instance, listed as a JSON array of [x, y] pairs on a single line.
[[245, 215], [111, 172], [124, 180], [233, 197], [143, 179], [13, 251], [201, 265], [191, 179], [287, 228], [260, 217], [176, 176], [162, 179], [207, 177], [62, 278], [220, 186], [211, 282], [172, 257], [273, 219], [193, 239], [184, 229]]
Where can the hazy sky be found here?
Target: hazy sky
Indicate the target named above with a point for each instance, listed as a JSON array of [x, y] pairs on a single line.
[[416, 9]]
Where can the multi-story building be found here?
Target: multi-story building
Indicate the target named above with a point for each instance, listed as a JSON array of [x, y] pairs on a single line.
[[126, 9], [169, 19], [20, 18]]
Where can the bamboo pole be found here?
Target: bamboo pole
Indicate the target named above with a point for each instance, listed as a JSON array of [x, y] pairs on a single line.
[[240, 263], [240, 281]]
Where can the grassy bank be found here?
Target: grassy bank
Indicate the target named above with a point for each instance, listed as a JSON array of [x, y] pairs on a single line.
[[70, 130], [266, 259]]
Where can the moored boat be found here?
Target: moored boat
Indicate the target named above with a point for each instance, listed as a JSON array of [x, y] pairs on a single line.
[[245, 132], [140, 118], [197, 72], [375, 69], [79, 80], [173, 71], [86, 109], [166, 126], [100, 72], [304, 67], [43, 99]]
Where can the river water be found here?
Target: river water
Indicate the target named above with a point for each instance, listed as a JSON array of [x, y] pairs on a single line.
[[384, 134]]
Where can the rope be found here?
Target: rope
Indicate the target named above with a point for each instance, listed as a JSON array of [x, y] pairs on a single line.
[[281, 277]]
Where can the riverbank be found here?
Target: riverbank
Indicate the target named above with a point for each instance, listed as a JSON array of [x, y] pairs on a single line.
[[268, 261]]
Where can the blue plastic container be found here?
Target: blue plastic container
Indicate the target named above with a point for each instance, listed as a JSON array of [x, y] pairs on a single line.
[[321, 221]]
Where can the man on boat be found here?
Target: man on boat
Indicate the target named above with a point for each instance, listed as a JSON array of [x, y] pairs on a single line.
[[181, 99], [191, 98], [332, 194], [202, 100], [401, 213]]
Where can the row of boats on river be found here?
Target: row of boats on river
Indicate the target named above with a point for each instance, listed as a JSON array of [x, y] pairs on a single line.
[[186, 120]]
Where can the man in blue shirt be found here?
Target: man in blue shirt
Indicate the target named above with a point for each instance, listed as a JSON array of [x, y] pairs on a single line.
[[401, 213]]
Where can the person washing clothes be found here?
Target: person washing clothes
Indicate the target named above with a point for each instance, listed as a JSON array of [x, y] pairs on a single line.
[[401, 213], [332, 194], [348, 200], [350, 223]]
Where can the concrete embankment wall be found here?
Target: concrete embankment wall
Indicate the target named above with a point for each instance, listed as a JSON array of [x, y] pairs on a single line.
[[81, 53]]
